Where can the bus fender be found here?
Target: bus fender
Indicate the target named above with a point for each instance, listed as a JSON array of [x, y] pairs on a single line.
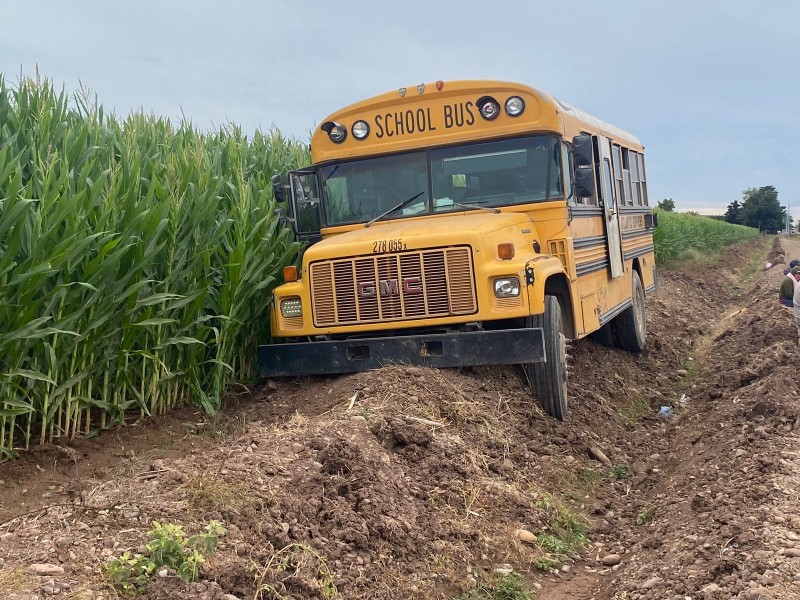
[[545, 275]]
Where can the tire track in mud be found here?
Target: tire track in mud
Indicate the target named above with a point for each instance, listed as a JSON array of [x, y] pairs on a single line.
[[721, 500]]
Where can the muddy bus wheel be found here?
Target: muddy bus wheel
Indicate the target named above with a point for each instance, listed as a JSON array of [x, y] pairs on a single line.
[[631, 325], [548, 380], [605, 336]]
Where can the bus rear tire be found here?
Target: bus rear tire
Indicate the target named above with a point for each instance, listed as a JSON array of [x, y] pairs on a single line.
[[631, 325], [548, 380], [605, 336]]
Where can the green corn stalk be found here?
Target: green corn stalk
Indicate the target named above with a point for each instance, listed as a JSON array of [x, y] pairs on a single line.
[[136, 261]]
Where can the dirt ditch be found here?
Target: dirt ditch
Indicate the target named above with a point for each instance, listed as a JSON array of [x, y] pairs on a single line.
[[417, 483]]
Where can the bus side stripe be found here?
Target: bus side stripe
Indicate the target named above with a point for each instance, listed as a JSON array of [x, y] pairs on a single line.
[[606, 317], [591, 266], [645, 210], [583, 212], [588, 242], [626, 235], [638, 252]]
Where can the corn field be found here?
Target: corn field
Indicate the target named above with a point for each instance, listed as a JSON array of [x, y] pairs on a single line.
[[684, 235], [136, 261]]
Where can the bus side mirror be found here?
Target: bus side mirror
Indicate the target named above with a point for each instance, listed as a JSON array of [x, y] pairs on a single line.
[[278, 188], [582, 150], [584, 166], [305, 203]]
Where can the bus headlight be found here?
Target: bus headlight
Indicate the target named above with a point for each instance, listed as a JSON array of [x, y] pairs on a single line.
[[506, 287], [360, 130], [514, 106], [291, 307]]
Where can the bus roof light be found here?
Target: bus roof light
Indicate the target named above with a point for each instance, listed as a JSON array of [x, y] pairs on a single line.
[[489, 108], [515, 106], [360, 130], [336, 131]]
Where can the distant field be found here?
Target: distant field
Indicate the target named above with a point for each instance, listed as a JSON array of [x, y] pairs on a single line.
[[682, 236]]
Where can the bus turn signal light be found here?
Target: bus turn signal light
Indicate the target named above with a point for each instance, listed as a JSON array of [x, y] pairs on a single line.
[[505, 251], [290, 274]]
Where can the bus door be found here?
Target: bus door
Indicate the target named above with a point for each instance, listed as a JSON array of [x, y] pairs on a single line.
[[608, 195]]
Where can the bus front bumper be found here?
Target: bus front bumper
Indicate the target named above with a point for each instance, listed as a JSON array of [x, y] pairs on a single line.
[[467, 349]]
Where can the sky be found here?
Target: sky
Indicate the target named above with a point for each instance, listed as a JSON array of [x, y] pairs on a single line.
[[705, 85]]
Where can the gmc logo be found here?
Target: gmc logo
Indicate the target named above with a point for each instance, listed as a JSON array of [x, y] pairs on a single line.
[[390, 287]]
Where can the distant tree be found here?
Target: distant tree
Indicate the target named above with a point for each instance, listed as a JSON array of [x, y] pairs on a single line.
[[761, 209], [734, 213], [717, 217], [667, 204]]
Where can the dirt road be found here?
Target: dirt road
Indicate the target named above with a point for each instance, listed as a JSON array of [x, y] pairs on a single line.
[[415, 483]]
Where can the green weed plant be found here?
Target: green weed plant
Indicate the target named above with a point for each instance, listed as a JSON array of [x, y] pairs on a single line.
[[169, 547], [507, 587]]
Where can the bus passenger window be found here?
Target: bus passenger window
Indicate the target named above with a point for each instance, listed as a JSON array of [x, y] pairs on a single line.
[[608, 187], [615, 158], [642, 178], [635, 190], [626, 177]]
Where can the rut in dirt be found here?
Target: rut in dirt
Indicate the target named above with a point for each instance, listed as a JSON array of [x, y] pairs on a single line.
[[717, 505], [406, 483]]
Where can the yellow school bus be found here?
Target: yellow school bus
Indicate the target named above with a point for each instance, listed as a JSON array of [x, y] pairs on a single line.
[[464, 223]]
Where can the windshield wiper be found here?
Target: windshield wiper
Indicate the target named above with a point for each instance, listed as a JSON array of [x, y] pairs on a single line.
[[494, 210], [391, 210]]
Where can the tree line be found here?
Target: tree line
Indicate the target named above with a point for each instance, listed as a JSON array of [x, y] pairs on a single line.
[[759, 208]]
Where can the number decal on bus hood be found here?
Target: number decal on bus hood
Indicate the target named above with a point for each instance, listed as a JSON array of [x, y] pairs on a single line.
[[381, 246]]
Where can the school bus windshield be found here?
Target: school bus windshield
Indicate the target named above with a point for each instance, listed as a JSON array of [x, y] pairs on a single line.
[[489, 174]]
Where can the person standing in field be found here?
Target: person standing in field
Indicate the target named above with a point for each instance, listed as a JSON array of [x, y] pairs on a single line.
[[789, 286], [796, 300], [792, 264]]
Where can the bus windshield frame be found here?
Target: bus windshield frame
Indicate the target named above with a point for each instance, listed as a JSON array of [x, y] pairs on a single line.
[[492, 174]]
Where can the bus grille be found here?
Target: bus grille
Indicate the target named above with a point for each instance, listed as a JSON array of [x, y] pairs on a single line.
[[393, 287]]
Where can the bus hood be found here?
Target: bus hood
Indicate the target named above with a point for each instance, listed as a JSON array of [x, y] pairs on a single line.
[[414, 234]]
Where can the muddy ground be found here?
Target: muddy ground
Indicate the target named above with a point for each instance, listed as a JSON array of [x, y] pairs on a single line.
[[416, 483]]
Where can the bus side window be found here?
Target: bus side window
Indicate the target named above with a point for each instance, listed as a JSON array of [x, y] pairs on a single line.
[[596, 199], [608, 188], [616, 159], [626, 176], [642, 178], [635, 189]]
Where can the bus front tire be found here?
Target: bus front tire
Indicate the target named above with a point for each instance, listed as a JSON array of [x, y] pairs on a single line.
[[548, 380], [631, 325]]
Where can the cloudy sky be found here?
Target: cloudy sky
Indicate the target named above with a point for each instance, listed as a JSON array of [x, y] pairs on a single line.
[[706, 85]]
